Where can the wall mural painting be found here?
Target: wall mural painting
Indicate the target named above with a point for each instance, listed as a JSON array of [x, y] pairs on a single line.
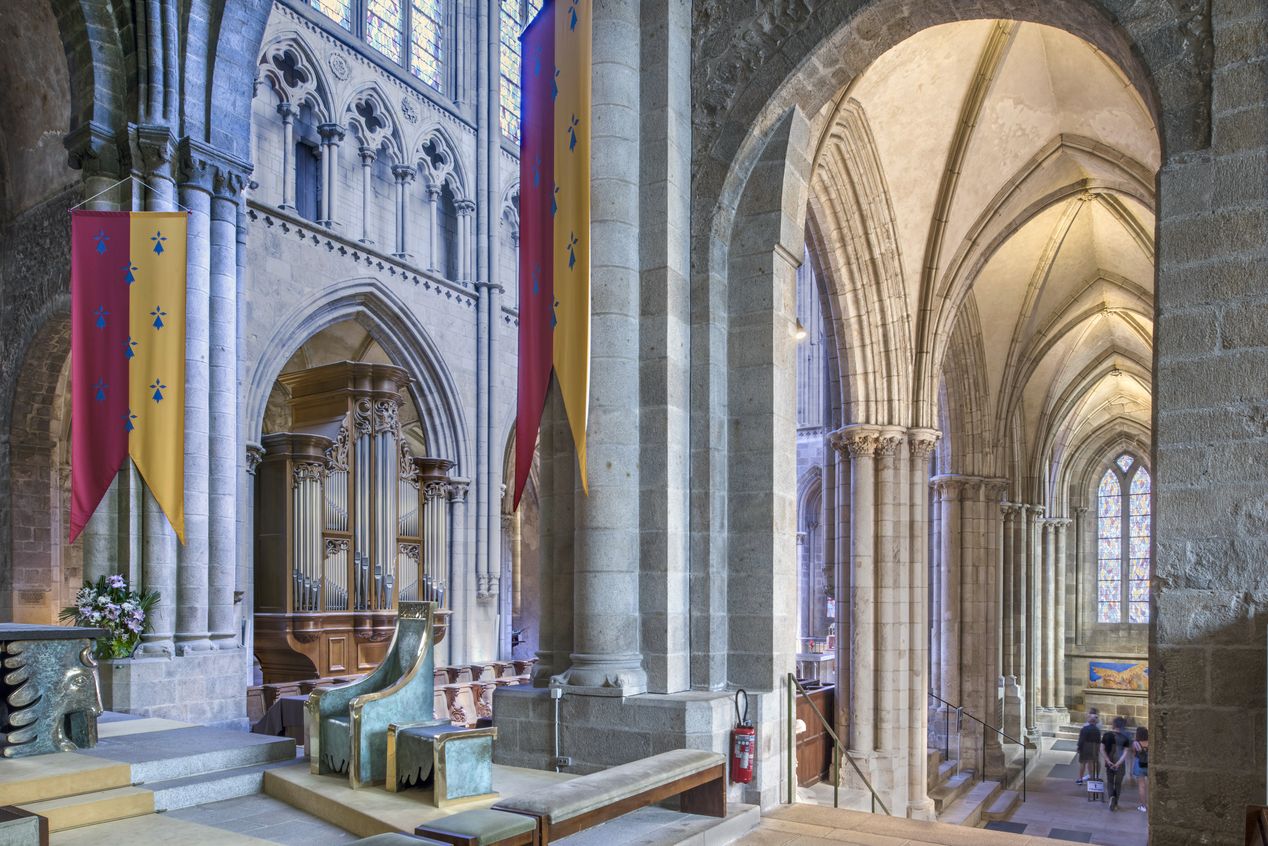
[[1115, 675]]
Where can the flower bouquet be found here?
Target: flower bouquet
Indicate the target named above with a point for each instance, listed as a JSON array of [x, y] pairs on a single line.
[[109, 605]]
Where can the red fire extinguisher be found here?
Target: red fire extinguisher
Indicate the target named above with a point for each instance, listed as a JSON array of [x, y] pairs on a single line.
[[743, 743]]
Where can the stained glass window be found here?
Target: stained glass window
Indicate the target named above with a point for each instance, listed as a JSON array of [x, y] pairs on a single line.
[[384, 23], [1122, 556], [339, 11], [426, 42], [516, 14]]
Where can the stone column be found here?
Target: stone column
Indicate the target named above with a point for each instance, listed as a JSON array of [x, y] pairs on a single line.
[[935, 589], [404, 176], [433, 229], [1059, 670], [223, 405], [459, 565], [1034, 618], [288, 111], [891, 600], [606, 659], [367, 182], [861, 444], [1008, 664], [1050, 616], [949, 606], [331, 136], [921, 443], [192, 632], [465, 209]]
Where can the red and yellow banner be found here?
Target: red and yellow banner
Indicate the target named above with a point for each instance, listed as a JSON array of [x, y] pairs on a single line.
[[127, 357], [554, 225]]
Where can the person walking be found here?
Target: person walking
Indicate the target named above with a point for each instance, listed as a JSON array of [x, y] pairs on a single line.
[[1114, 748], [1140, 766], [1089, 746]]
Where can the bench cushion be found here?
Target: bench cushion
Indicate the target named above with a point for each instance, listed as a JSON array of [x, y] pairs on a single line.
[[487, 826], [567, 799], [395, 838]]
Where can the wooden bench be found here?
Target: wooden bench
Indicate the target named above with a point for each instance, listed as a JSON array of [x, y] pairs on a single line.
[[483, 827], [696, 777]]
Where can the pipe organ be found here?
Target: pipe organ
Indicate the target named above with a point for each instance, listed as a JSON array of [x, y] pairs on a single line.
[[349, 521]]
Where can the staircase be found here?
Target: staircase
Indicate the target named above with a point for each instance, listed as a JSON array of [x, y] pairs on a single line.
[[133, 775], [959, 800]]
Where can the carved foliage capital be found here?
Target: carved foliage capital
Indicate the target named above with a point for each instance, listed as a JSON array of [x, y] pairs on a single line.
[[922, 442], [255, 454]]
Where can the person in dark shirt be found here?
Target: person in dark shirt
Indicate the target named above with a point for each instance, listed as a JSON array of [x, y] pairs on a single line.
[[1114, 747], [1089, 746]]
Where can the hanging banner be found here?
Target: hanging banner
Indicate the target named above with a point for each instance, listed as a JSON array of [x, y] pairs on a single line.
[[127, 357], [554, 281]]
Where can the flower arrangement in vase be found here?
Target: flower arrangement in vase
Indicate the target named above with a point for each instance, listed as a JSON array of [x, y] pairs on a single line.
[[108, 604]]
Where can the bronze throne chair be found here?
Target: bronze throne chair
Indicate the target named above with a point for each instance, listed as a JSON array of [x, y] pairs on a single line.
[[345, 727]]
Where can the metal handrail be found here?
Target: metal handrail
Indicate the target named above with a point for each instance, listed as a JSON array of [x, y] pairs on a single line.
[[838, 749], [962, 712]]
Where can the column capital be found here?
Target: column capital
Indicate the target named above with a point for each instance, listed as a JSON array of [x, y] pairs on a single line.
[[367, 154], [465, 207], [995, 487], [855, 441], [433, 192], [404, 173], [209, 169], [1010, 510], [155, 149], [255, 454], [889, 439], [331, 133], [948, 484], [93, 148], [458, 489], [1060, 522], [288, 111], [1036, 510], [922, 442]]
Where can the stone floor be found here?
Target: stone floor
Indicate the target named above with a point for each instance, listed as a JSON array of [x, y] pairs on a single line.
[[811, 825], [1056, 807], [265, 818]]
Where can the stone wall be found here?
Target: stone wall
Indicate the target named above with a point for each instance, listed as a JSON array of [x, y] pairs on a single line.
[[1207, 639]]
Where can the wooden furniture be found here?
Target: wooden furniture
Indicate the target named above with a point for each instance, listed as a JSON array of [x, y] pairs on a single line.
[[814, 745], [458, 762], [50, 696], [20, 826], [346, 727], [484, 827], [696, 777], [349, 521], [1256, 825]]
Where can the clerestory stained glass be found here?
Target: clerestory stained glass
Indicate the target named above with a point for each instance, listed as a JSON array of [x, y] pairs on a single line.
[[426, 50], [516, 14], [384, 25], [339, 11], [1123, 555]]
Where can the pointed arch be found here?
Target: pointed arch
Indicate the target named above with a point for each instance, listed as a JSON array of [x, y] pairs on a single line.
[[288, 65], [370, 114], [440, 161], [394, 325]]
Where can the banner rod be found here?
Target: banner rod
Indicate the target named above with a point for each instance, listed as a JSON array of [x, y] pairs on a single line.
[[143, 184]]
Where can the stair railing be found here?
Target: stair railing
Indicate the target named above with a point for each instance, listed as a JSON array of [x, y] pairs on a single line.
[[986, 727], [838, 750]]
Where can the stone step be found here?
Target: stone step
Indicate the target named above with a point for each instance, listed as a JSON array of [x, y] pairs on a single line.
[[1002, 806], [42, 777], [935, 758], [968, 809], [950, 790], [177, 793], [121, 803], [184, 752], [739, 821], [943, 771]]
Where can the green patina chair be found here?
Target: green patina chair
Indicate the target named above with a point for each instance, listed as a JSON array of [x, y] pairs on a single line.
[[345, 727]]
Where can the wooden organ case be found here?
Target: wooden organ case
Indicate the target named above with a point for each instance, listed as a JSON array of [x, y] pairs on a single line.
[[348, 522]]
